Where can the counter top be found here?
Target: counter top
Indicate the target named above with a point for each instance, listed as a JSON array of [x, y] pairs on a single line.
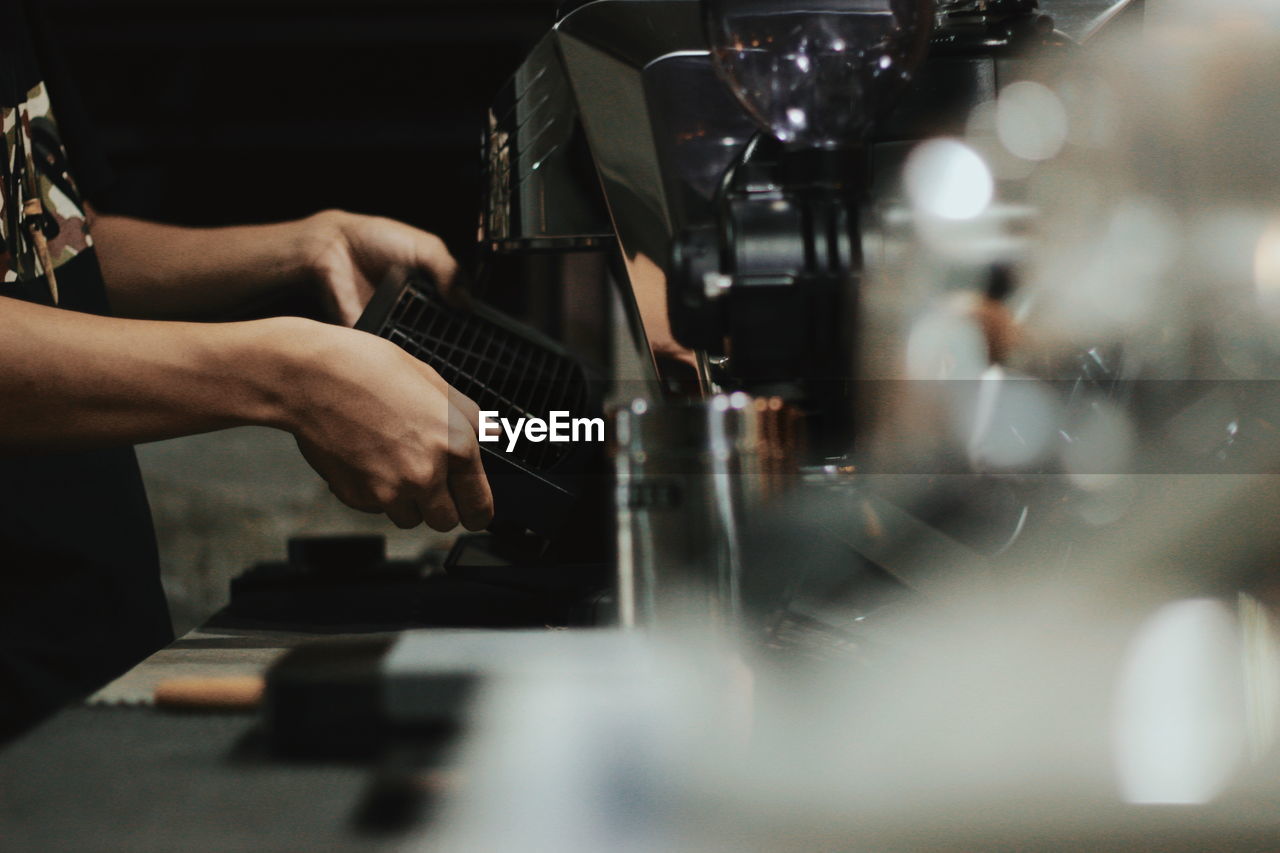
[[115, 773]]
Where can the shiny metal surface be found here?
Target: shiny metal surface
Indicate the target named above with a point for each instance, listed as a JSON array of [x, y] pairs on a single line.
[[540, 189], [689, 478], [818, 73], [616, 128], [660, 127]]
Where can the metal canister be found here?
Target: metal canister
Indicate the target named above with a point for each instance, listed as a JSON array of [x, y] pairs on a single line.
[[689, 476]]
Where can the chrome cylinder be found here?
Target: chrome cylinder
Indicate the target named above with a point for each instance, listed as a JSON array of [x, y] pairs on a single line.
[[689, 477]]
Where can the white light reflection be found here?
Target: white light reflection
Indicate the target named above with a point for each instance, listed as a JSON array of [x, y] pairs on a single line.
[[1031, 121], [1266, 266], [947, 179], [980, 133], [1179, 726], [945, 345], [1010, 423], [1225, 242], [1100, 449]]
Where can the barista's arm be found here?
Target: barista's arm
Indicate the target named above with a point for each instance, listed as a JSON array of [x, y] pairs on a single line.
[[384, 430], [169, 272]]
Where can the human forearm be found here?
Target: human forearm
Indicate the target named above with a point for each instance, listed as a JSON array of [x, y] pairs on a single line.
[[385, 430], [73, 380], [170, 272], [167, 272]]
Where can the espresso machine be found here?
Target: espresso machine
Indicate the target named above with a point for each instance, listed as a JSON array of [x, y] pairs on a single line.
[[733, 164], [645, 151], [744, 228], [727, 183]]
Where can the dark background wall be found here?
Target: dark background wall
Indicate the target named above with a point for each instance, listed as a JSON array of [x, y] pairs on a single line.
[[220, 112]]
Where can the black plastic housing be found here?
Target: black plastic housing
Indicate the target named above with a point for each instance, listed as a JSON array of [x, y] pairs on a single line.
[[505, 366]]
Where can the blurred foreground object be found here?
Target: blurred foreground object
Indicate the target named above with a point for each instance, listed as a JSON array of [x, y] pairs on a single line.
[[229, 692]]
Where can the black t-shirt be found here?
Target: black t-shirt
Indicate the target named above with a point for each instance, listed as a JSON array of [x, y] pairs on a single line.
[[80, 595]]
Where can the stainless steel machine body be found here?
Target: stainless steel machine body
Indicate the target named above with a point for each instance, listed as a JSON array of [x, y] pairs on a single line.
[[616, 132], [615, 136], [613, 133]]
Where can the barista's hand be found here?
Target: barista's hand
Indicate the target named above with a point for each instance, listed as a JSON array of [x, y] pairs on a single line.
[[386, 432], [353, 252]]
